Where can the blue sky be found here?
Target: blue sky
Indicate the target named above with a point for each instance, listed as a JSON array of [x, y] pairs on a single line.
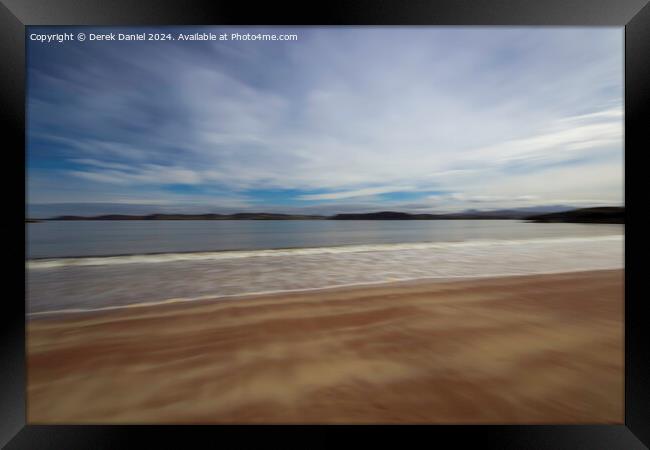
[[422, 119]]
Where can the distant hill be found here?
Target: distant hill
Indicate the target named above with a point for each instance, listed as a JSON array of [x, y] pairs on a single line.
[[516, 213], [393, 215], [566, 214], [608, 214], [383, 215], [239, 216]]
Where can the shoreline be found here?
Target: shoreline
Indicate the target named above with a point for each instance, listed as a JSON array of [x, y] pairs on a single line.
[[252, 295], [92, 284], [523, 349]]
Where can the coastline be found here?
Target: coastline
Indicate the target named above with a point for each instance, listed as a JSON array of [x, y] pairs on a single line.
[[279, 294], [93, 284], [522, 349]]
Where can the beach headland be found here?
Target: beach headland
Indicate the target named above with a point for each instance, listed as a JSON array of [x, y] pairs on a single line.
[[524, 349]]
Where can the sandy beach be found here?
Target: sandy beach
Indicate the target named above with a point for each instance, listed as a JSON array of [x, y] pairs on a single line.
[[525, 349]]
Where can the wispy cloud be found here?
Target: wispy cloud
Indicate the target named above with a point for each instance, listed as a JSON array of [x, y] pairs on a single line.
[[355, 193], [377, 116]]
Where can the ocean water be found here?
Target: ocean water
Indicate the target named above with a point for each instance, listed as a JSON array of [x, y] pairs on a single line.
[[60, 239], [155, 262]]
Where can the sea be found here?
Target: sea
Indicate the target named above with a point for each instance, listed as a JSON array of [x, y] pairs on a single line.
[[81, 266]]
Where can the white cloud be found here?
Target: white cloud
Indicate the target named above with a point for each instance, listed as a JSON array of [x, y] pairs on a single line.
[[355, 193], [351, 114]]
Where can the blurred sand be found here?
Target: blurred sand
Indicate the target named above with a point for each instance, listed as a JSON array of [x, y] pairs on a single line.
[[532, 349]]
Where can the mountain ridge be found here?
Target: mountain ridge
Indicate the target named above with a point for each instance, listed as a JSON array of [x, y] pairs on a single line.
[[609, 214], [603, 214]]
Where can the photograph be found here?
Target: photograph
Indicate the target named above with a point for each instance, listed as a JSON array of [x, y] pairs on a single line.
[[325, 225]]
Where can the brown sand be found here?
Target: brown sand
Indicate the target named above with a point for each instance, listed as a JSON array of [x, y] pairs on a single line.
[[533, 349]]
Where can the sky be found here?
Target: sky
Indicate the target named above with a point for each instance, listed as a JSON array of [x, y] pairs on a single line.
[[418, 119]]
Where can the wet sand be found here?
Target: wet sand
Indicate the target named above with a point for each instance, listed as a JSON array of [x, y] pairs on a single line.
[[529, 349]]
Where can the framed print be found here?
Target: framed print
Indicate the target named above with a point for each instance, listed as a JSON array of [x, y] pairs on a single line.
[[360, 217]]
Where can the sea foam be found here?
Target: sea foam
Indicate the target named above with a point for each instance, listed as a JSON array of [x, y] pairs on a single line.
[[46, 263], [79, 284]]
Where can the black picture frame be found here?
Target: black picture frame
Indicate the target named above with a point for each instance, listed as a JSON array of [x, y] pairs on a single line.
[[15, 15]]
